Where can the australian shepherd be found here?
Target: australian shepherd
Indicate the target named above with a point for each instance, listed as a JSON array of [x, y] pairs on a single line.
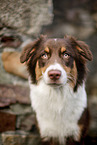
[[57, 74]]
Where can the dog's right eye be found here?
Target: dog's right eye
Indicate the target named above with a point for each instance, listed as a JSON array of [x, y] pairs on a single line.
[[44, 56], [66, 56]]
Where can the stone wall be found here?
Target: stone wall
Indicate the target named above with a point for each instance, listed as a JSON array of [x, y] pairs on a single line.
[[27, 16], [20, 22]]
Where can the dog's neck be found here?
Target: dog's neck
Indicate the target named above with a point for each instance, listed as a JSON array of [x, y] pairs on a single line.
[[58, 109]]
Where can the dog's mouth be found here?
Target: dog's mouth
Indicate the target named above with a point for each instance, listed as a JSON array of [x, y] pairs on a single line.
[[55, 84]]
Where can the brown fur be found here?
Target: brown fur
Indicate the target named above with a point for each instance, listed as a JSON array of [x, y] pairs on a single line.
[[69, 52], [77, 49], [39, 70]]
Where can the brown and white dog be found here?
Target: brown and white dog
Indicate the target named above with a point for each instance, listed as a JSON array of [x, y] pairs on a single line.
[[57, 70]]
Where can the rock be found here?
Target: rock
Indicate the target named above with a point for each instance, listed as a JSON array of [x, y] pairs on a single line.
[[7, 121], [9, 41], [10, 94], [10, 38], [84, 31], [60, 29], [11, 63], [92, 85], [77, 22], [26, 16], [26, 122], [4, 102], [20, 109], [94, 16], [93, 115], [20, 138]]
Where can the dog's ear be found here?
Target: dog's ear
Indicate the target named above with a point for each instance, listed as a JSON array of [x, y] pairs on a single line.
[[84, 50], [30, 48]]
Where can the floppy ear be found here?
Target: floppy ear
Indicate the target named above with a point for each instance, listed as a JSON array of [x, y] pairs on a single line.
[[83, 50], [29, 49]]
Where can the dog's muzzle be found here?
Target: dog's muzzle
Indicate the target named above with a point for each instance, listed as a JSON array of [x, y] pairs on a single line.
[[55, 75]]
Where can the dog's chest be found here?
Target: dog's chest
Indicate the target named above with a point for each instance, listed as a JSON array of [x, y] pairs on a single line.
[[58, 110]]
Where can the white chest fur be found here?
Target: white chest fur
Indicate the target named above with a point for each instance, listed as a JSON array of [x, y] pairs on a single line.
[[58, 109]]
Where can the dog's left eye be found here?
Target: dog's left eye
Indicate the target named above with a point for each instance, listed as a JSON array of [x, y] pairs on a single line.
[[66, 55], [44, 56]]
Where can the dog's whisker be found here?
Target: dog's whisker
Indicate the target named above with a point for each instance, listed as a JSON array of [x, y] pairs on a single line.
[[40, 78], [70, 77]]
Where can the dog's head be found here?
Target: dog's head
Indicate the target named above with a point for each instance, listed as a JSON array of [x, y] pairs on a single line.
[[57, 61]]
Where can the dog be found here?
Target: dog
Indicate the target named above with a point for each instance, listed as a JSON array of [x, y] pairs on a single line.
[[57, 74]]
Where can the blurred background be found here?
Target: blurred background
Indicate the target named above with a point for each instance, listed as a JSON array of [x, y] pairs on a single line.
[[20, 22]]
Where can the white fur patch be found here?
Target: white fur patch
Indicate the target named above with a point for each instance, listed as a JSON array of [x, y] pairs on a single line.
[[58, 109], [56, 66]]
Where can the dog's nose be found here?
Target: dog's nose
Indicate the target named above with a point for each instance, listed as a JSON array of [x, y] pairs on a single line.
[[54, 74]]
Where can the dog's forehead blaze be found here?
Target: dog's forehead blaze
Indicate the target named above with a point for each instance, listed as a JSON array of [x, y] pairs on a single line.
[[39, 70]]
